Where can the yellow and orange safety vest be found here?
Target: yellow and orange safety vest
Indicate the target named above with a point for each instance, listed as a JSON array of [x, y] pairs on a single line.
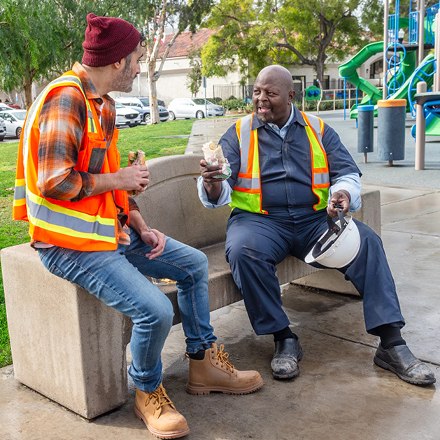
[[246, 193]]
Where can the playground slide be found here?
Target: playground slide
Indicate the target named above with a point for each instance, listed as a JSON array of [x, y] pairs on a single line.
[[424, 74], [348, 71]]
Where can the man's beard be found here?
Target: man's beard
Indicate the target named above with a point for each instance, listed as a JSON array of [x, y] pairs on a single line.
[[264, 117], [124, 81]]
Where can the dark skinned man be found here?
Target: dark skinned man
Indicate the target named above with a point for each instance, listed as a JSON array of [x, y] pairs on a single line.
[[289, 169]]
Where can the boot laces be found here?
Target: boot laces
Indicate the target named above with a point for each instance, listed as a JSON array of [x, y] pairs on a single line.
[[223, 356], [159, 398]]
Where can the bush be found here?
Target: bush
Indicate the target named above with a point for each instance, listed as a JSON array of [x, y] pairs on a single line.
[[215, 100], [234, 104]]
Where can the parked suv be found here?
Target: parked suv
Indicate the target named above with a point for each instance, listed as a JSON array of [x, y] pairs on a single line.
[[142, 105], [127, 116], [194, 108]]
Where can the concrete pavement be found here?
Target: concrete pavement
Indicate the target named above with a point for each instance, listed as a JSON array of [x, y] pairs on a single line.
[[340, 394]]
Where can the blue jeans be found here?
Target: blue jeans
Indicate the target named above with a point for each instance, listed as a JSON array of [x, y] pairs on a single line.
[[117, 279]]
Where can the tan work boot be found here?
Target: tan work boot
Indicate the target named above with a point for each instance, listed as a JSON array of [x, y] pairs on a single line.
[[215, 373], [159, 414]]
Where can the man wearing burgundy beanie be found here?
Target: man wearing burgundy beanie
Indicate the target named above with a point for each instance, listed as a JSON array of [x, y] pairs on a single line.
[[87, 229]]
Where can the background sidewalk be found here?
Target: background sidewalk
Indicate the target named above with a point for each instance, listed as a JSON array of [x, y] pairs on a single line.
[[340, 394]]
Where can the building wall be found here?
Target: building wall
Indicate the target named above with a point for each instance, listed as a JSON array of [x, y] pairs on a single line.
[[172, 82]]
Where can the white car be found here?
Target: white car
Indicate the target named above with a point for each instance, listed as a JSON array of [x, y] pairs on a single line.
[[2, 129], [14, 120], [127, 116], [194, 108], [142, 104]]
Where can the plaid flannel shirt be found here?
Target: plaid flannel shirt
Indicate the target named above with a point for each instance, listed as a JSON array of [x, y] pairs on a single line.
[[62, 122]]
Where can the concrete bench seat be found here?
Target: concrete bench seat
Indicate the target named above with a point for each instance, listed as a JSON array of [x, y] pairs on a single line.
[[70, 347]]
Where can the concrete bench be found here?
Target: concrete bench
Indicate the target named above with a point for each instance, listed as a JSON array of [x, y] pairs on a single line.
[[70, 347]]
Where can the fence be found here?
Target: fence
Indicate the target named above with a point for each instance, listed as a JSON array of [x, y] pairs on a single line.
[[331, 99]]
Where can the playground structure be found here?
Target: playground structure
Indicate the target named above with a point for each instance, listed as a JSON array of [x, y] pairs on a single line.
[[401, 74], [403, 79]]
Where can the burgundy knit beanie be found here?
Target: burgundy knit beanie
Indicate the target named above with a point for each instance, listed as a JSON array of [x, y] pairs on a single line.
[[108, 40]]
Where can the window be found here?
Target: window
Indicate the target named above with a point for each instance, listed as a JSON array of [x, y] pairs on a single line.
[[376, 69]]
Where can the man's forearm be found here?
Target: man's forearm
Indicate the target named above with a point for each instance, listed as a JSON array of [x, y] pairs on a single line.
[[137, 222], [213, 190], [104, 182]]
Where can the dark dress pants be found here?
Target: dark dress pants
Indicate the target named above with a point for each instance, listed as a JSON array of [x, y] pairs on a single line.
[[256, 243]]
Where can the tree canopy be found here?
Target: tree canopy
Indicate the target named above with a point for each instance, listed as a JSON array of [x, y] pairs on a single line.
[[254, 33], [41, 39]]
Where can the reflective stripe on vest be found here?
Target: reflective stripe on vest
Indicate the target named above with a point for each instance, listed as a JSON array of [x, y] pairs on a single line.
[[320, 172], [66, 221], [247, 190], [246, 193]]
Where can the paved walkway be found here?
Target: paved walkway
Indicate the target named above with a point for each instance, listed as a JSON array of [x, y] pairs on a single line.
[[340, 394]]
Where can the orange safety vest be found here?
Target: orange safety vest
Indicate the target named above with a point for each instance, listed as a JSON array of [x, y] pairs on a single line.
[[90, 224], [246, 193]]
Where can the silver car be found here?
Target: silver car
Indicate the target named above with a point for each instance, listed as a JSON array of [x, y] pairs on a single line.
[[2, 129], [126, 116], [194, 108], [14, 120]]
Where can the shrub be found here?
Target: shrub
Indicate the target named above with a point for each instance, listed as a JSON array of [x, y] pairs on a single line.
[[234, 104], [215, 100]]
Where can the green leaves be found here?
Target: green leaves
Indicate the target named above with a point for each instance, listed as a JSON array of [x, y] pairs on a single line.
[[254, 33]]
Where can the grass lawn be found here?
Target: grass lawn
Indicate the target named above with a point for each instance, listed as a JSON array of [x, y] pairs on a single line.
[[147, 138]]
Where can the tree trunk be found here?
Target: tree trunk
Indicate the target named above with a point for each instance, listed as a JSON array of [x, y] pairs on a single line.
[[154, 109], [320, 69], [27, 85]]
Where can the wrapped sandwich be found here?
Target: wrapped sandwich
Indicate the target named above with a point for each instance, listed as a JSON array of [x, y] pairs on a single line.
[[214, 156], [137, 158]]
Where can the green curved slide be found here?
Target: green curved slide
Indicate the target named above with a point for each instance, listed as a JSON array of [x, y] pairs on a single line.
[[372, 93], [348, 71]]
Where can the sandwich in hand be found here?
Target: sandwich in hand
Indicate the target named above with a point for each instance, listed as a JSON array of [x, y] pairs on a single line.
[[214, 156], [137, 158]]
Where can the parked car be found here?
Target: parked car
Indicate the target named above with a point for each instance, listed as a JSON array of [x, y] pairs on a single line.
[[193, 108], [2, 129], [142, 104], [127, 116], [14, 120], [5, 107]]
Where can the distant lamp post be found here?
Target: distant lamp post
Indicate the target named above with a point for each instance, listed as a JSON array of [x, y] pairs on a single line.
[[401, 35]]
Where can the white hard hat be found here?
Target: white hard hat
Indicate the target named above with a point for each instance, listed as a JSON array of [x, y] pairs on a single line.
[[338, 246]]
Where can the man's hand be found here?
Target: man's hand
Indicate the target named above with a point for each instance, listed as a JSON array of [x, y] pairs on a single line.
[[134, 178], [211, 183], [342, 198], [155, 239]]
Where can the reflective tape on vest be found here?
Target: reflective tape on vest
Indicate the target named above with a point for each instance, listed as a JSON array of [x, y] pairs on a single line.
[[53, 217]]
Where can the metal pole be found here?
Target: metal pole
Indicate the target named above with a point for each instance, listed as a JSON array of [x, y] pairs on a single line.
[[420, 130], [345, 102], [421, 30], [437, 52], [385, 47]]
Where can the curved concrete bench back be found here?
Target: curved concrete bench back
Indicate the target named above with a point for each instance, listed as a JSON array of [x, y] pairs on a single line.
[[69, 346]]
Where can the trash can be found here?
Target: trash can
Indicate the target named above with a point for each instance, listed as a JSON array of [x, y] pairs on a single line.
[[365, 129], [391, 115]]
